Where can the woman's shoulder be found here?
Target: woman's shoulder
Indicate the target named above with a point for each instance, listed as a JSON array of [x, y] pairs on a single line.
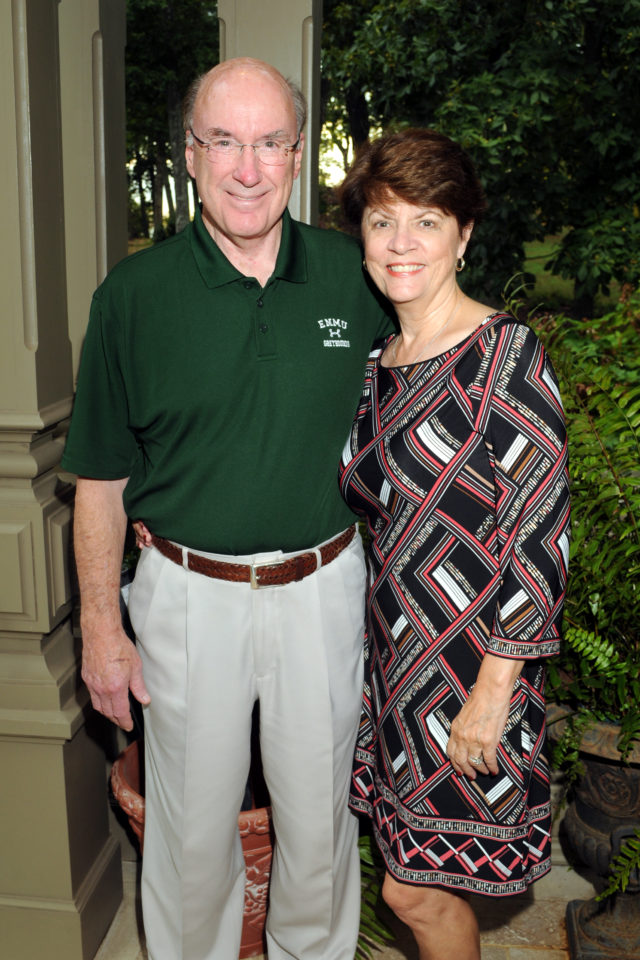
[[495, 319], [497, 343], [503, 327], [480, 333], [378, 347], [373, 360], [478, 321], [511, 353]]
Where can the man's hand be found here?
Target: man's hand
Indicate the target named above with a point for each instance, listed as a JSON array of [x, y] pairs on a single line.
[[111, 666]]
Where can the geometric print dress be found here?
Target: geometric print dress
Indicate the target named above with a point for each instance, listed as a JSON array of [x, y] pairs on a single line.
[[459, 466]]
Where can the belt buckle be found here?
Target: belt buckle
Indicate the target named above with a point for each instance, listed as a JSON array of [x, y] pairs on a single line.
[[252, 573]]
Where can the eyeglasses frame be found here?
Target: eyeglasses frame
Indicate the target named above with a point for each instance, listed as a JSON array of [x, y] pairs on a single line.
[[290, 148]]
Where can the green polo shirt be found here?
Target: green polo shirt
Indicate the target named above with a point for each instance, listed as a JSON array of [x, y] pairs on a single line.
[[227, 404]]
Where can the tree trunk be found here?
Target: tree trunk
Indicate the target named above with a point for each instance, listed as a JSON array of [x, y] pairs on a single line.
[[139, 178], [358, 114], [176, 137], [168, 192], [157, 189], [583, 301]]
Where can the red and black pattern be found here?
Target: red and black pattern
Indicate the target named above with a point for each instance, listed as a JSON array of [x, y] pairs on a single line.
[[459, 465]]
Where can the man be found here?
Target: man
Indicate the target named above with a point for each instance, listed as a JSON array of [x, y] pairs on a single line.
[[219, 377]]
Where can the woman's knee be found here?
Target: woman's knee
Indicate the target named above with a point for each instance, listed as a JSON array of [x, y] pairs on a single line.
[[406, 901], [413, 904]]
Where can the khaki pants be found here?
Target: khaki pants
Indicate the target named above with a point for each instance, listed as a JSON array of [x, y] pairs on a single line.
[[210, 649]]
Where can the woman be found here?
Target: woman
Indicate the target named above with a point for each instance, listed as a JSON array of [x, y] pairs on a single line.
[[457, 459]]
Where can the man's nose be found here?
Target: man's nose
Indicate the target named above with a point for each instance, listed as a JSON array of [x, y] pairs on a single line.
[[247, 168]]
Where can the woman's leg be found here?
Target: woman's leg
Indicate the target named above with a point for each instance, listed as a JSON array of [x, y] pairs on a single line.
[[443, 923]]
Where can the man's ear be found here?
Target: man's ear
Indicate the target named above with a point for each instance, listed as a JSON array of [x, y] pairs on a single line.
[[188, 156], [297, 162]]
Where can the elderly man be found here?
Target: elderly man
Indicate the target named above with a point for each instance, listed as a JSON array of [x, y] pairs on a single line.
[[218, 381]]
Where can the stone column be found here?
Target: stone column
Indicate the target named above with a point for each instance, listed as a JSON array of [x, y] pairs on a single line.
[[285, 33], [64, 220]]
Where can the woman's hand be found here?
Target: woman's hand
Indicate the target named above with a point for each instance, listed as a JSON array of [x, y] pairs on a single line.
[[478, 728], [143, 535]]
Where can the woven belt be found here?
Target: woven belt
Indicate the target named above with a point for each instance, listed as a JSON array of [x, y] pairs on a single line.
[[270, 574]]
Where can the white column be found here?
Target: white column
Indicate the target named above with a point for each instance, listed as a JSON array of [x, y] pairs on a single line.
[[62, 70], [285, 33]]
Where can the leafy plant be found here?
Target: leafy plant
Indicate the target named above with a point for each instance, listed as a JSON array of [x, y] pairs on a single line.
[[625, 863], [604, 246], [597, 675]]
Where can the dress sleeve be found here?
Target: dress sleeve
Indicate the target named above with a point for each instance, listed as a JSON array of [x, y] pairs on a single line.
[[522, 421]]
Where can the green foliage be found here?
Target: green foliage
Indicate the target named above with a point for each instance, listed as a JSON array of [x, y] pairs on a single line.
[[169, 42], [544, 97], [602, 248], [373, 930], [598, 671], [626, 862], [565, 748]]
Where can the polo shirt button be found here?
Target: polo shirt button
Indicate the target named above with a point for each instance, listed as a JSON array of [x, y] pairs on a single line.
[[260, 302], [263, 328], [247, 284]]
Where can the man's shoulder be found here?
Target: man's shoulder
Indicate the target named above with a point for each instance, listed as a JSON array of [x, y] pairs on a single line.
[[148, 264], [329, 241]]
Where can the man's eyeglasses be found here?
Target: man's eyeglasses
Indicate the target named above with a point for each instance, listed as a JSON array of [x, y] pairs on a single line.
[[269, 151]]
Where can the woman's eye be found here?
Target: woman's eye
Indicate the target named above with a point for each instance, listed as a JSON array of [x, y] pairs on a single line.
[[427, 223]]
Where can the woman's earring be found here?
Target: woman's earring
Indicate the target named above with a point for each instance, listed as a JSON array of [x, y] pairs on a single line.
[[460, 264], [364, 265]]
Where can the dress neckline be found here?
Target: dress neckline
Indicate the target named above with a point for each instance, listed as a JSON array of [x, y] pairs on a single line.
[[445, 353]]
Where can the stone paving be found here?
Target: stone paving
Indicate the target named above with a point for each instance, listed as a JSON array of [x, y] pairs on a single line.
[[527, 927]]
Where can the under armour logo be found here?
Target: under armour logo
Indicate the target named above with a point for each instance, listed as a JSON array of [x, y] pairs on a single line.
[[336, 329]]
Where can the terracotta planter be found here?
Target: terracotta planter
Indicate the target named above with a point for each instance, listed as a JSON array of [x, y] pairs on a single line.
[[255, 832], [605, 811]]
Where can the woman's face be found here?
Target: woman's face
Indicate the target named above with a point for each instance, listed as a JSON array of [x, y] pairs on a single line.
[[411, 251]]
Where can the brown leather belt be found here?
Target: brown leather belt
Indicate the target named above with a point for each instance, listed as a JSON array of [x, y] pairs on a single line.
[[270, 574]]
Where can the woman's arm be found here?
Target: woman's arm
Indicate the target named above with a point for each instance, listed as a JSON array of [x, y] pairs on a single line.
[[520, 417]]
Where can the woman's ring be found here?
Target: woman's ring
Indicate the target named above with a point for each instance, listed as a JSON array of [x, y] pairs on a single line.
[[479, 759]]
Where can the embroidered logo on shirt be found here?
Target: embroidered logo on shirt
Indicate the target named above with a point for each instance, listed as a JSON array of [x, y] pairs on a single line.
[[336, 330]]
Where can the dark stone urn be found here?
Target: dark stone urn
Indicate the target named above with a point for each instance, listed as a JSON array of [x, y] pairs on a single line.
[[604, 812]]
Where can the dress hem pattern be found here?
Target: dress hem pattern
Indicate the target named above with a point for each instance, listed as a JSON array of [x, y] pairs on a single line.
[[454, 881]]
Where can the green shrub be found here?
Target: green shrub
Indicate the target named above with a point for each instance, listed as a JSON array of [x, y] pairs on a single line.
[[598, 672]]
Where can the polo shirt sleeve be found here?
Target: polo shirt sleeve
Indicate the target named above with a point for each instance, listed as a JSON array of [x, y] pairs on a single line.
[[100, 444]]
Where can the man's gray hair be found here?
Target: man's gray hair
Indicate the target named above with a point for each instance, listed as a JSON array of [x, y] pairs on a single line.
[[297, 96]]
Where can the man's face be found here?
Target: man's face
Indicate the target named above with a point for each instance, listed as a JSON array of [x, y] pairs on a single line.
[[242, 198]]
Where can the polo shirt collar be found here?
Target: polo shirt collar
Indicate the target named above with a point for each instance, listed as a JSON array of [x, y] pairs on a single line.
[[291, 263], [216, 270]]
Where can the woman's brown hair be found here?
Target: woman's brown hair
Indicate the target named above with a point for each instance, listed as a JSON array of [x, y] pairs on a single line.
[[418, 166]]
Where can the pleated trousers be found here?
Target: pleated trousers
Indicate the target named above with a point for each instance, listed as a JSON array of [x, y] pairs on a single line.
[[210, 649]]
